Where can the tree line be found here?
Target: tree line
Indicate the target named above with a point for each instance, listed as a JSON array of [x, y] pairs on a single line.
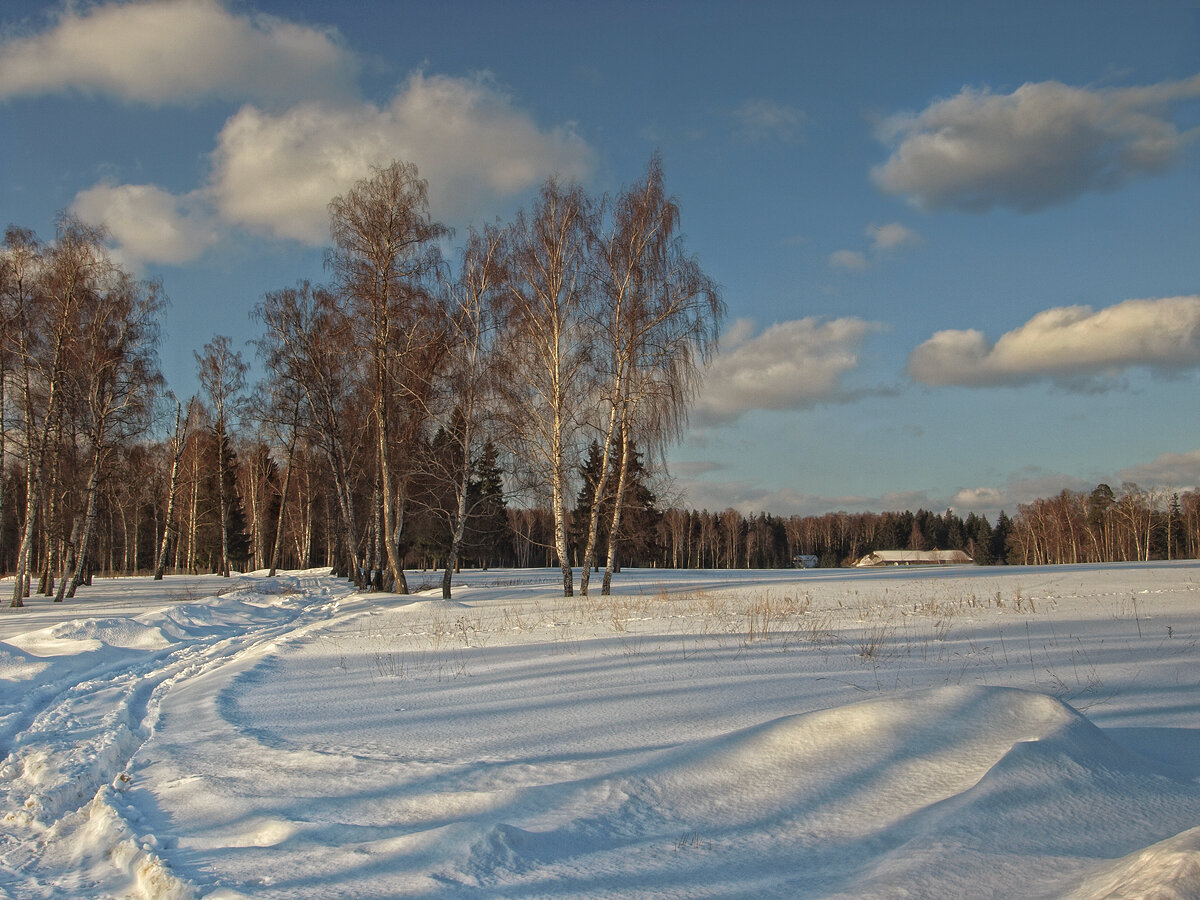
[[508, 407], [393, 394]]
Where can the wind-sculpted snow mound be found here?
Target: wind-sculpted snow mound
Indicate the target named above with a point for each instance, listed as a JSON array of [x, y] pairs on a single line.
[[85, 635], [1168, 870], [887, 797], [229, 614], [17, 665]]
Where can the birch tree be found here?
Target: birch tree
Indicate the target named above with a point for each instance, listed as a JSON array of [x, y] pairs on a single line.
[[118, 380], [175, 448], [385, 249], [308, 344], [547, 345], [473, 311], [50, 285], [661, 315], [222, 374]]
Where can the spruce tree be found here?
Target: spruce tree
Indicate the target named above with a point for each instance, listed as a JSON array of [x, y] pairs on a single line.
[[590, 473], [488, 538]]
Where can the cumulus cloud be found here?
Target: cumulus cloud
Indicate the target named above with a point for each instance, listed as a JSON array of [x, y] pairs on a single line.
[[276, 173], [1044, 143], [972, 499], [891, 236], [761, 121], [147, 223], [165, 51], [791, 365], [884, 239], [1180, 471], [853, 260], [1066, 344]]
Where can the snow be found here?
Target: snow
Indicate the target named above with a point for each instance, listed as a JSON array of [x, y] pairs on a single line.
[[954, 732]]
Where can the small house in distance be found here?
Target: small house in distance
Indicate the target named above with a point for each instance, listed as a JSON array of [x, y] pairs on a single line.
[[915, 558]]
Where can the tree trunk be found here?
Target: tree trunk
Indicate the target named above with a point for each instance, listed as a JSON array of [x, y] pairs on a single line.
[[277, 550], [392, 520], [618, 500], [222, 500], [589, 552], [169, 527], [560, 532], [460, 520]]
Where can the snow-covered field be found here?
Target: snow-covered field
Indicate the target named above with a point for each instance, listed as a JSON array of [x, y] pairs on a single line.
[[1025, 732]]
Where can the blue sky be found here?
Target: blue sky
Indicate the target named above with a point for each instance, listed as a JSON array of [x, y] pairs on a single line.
[[959, 242]]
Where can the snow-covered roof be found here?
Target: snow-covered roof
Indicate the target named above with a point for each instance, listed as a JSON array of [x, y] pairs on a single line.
[[915, 558]]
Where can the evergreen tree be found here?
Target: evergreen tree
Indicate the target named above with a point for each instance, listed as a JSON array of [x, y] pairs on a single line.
[[955, 532], [209, 532], [488, 538], [589, 473], [638, 539], [1174, 536], [1000, 535], [979, 539]]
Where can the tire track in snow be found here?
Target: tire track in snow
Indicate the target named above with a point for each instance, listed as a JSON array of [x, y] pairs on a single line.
[[73, 749]]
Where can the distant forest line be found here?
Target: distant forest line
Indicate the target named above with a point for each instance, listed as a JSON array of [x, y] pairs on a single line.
[[1103, 525]]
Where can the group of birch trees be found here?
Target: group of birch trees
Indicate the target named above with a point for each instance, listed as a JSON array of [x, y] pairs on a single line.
[[394, 395], [79, 377], [1102, 525], [583, 320]]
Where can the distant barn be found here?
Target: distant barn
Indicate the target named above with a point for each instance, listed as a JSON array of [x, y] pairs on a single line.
[[915, 558]]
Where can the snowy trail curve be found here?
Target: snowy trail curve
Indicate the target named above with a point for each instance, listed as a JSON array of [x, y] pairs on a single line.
[[72, 745]]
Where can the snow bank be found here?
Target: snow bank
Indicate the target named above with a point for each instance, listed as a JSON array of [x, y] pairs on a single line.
[[1168, 870], [913, 795], [17, 665], [85, 635]]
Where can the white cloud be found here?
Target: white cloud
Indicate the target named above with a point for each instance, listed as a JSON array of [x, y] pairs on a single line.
[[884, 240], [791, 365], [761, 121], [751, 497], [1178, 471], [166, 51], [848, 259], [276, 173], [1067, 343], [147, 223], [891, 236], [973, 499], [1042, 144]]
